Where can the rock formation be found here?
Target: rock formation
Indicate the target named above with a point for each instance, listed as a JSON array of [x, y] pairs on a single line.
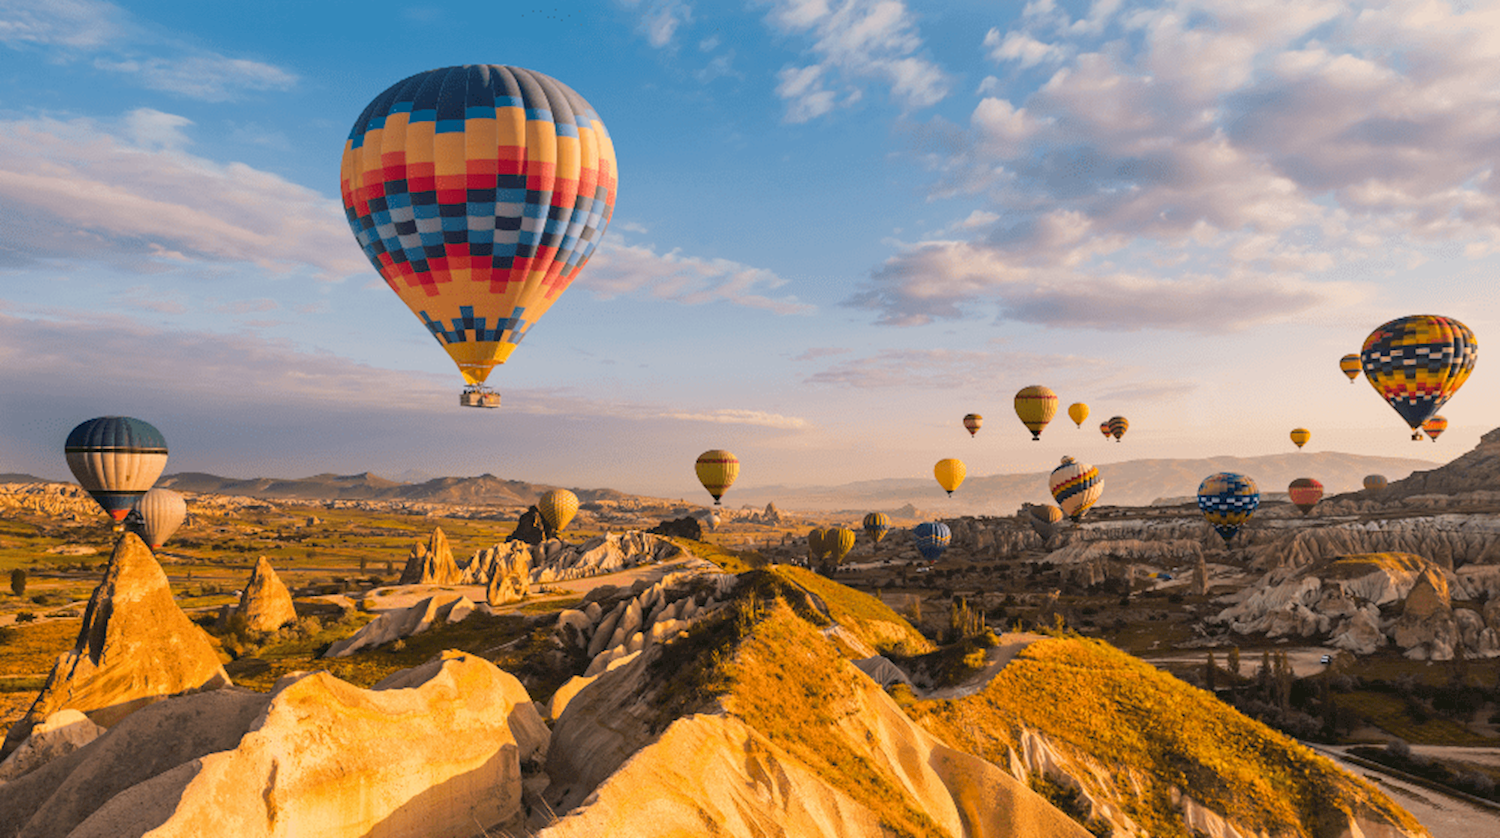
[[135, 647], [604, 554], [532, 528], [404, 622], [1478, 470], [56, 736], [684, 527], [431, 563], [436, 750], [265, 604]]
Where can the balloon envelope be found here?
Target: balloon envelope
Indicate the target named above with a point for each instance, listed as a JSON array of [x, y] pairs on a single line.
[[1228, 500], [837, 543], [1076, 487], [1417, 363], [1375, 483], [116, 459], [1305, 493], [816, 549], [1036, 405], [949, 474], [972, 422], [1104, 429], [478, 193], [1350, 366], [877, 524], [1078, 411], [713, 521], [1300, 436], [558, 508], [1434, 427], [162, 511], [1118, 425], [932, 539], [717, 470], [1046, 513]]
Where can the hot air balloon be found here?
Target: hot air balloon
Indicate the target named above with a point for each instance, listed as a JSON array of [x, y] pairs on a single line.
[[1078, 411], [1228, 500], [1104, 429], [478, 193], [1076, 486], [1349, 364], [837, 542], [1036, 405], [1118, 425], [162, 511], [558, 508], [877, 524], [1305, 493], [713, 521], [1417, 363], [972, 422], [717, 470], [1375, 483], [1300, 436], [116, 459], [1434, 427], [932, 539], [816, 549], [949, 474]]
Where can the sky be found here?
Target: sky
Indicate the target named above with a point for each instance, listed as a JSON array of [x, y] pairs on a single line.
[[840, 226]]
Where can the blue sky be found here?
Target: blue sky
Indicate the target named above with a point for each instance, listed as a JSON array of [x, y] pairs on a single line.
[[840, 226]]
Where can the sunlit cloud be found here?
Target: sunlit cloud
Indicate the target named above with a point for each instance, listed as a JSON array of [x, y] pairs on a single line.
[[618, 268], [741, 417]]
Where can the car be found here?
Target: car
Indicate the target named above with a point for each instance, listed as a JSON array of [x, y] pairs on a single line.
[[1326, 660]]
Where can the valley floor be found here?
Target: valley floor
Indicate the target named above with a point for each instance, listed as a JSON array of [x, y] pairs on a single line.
[[1443, 815]]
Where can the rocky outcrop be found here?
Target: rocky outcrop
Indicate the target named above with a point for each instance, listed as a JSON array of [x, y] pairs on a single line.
[[431, 563], [57, 501], [404, 622], [265, 604], [56, 736], [1427, 628], [684, 527], [532, 528], [135, 647], [435, 750], [1478, 470], [605, 554]]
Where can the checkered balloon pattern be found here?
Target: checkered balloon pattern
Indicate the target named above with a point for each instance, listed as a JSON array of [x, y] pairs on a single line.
[[1228, 500], [1417, 363], [932, 539], [478, 193]]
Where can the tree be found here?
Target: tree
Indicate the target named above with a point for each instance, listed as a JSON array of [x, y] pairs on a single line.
[[18, 582], [1234, 661], [1210, 669]]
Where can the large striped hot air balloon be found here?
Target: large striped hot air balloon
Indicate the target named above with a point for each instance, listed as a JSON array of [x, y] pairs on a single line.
[[558, 508], [950, 474], [816, 548], [1417, 363], [1036, 405], [932, 539], [1076, 487], [1434, 427], [877, 524], [837, 542], [1305, 493], [1118, 425], [717, 470], [1350, 366], [162, 511], [116, 459], [972, 423], [1078, 411], [1300, 436], [478, 193], [1228, 500]]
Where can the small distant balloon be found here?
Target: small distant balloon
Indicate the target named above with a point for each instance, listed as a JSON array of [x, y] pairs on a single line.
[[713, 521], [1078, 411], [837, 543], [1350, 366], [717, 470], [877, 524], [162, 511], [558, 508], [972, 422], [1118, 425], [1375, 483], [1104, 429], [1434, 427], [816, 549], [1227, 501], [1300, 436], [1076, 487], [1036, 405], [116, 459], [1418, 363], [949, 474], [932, 539], [1305, 493], [1046, 513]]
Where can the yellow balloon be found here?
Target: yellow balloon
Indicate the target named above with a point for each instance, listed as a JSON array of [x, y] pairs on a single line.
[[558, 508], [1300, 436], [1078, 411], [1036, 405], [949, 474], [837, 543], [717, 470]]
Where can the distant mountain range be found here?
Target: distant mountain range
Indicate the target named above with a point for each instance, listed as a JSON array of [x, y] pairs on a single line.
[[485, 489], [1130, 483]]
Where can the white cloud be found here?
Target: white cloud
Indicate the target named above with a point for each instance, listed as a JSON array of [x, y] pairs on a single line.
[[660, 21], [619, 268], [938, 369], [75, 24], [1189, 148], [741, 417], [854, 42], [210, 77], [84, 190]]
